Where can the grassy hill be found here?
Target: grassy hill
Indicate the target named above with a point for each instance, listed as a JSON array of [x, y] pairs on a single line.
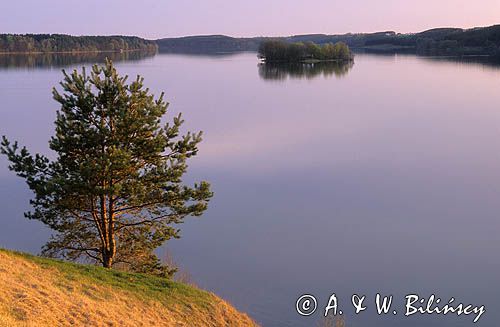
[[43, 292]]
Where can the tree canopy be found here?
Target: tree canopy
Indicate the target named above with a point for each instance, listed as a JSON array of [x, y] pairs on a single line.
[[114, 193], [27, 43], [275, 50]]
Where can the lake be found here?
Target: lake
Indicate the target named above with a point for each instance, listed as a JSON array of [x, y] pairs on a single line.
[[378, 177]]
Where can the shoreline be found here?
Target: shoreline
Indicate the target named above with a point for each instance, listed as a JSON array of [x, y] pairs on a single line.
[[306, 61]]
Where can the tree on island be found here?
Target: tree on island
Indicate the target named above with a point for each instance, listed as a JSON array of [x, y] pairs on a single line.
[[280, 51], [114, 193]]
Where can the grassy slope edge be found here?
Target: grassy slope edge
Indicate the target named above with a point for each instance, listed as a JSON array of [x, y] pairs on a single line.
[[36, 291]]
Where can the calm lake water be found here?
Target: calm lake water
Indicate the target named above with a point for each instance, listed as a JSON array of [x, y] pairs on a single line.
[[383, 177]]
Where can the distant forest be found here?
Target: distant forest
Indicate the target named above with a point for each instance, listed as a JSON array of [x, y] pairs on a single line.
[[47, 43], [435, 42], [440, 41]]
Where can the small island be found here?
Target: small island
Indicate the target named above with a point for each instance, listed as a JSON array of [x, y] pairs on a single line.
[[280, 51]]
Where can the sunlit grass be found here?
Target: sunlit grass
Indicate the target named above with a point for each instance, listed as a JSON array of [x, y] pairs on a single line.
[[53, 292]]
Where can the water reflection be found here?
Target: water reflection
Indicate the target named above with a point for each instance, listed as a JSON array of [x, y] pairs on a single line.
[[282, 71], [472, 60], [484, 61], [57, 60], [397, 163]]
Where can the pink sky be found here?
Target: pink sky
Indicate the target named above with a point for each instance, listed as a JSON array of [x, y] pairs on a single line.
[[164, 18]]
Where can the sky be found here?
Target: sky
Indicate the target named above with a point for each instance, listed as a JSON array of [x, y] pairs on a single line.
[[169, 18]]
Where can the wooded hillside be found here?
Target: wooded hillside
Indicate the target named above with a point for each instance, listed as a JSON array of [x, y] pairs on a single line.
[[30, 43]]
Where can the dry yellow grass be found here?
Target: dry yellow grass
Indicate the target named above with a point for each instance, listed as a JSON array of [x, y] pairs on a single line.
[[34, 293]]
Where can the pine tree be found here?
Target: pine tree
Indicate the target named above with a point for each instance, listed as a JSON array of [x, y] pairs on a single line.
[[114, 193]]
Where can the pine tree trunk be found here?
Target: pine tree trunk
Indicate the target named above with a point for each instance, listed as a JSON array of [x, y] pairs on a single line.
[[107, 260]]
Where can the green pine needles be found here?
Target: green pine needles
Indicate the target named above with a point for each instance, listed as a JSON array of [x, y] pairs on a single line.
[[114, 193]]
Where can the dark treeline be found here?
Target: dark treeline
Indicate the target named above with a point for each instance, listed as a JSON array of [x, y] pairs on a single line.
[[477, 41], [299, 70], [440, 41], [46, 43], [206, 44], [280, 51]]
